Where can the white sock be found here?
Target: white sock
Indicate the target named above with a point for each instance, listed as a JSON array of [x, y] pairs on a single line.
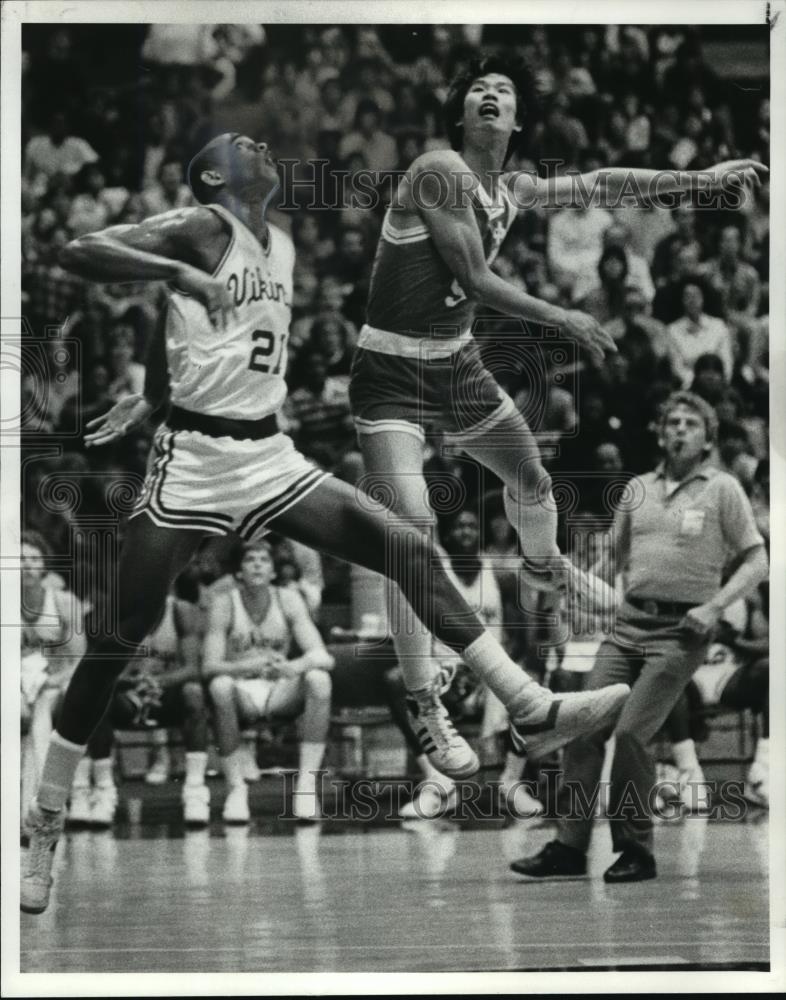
[[762, 755], [196, 765], [685, 755], [514, 767], [310, 760], [83, 774], [495, 668], [232, 766], [62, 760], [102, 773]]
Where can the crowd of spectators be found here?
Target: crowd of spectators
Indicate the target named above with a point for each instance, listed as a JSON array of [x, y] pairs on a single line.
[[107, 137]]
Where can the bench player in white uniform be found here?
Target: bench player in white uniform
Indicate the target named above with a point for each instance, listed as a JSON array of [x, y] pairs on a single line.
[[417, 367], [162, 689], [52, 643], [221, 466], [252, 677]]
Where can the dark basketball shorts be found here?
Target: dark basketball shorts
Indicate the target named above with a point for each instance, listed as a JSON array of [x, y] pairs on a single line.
[[453, 394]]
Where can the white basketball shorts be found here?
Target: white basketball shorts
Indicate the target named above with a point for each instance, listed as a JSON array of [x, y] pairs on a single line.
[[220, 484]]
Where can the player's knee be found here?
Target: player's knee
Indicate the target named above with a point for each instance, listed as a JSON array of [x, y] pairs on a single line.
[[532, 480], [222, 690], [318, 684]]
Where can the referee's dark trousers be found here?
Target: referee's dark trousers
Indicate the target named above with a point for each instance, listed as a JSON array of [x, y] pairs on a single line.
[[649, 651]]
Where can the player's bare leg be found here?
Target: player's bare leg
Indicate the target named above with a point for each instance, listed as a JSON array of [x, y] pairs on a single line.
[[394, 466], [151, 559], [509, 450], [310, 693], [335, 520]]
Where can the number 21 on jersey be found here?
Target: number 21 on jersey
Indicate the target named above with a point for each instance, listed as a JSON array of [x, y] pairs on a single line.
[[262, 353]]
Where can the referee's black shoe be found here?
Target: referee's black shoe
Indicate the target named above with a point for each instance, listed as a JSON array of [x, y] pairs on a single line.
[[555, 862], [633, 865]]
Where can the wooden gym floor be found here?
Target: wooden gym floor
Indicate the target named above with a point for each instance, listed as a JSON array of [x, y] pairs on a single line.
[[431, 896]]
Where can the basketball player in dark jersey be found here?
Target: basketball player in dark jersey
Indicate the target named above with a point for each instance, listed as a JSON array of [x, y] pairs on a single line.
[[222, 466], [417, 367]]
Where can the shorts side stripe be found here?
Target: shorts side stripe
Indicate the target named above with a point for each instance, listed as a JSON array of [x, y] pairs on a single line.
[[175, 517], [186, 525], [365, 427], [278, 505]]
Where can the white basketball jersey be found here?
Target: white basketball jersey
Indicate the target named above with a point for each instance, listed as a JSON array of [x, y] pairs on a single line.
[[237, 372]]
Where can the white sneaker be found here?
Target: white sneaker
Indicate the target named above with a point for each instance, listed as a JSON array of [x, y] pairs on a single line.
[[757, 785], [196, 805], [430, 802], [236, 805], [548, 721], [103, 806], [44, 829], [582, 589], [305, 803], [516, 800], [694, 792], [445, 748], [158, 774], [251, 772], [79, 809]]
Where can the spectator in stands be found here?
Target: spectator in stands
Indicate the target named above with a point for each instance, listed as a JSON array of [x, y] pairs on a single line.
[[735, 282], [318, 412], [169, 191], [684, 234], [606, 300], [127, 375], [562, 136], [642, 340], [250, 631], [378, 149], [618, 235], [52, 293], [575, 244], [696, 333], [709, 379], [330, 336], [54, 152], [95, 206]]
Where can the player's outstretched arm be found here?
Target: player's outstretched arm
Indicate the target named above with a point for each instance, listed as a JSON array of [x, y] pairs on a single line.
[[441, 187], [608, 184], [168, 247]]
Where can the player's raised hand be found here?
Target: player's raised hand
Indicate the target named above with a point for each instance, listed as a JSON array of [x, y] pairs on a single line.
[[211, 292], [736, 172], [126, 414], [589, 333]]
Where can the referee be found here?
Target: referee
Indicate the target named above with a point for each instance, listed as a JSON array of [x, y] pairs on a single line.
[[694, 522]]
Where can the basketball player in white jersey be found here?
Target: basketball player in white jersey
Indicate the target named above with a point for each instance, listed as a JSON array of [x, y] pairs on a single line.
[[251, 676], [52, 643], [221, 465], [417, 368]]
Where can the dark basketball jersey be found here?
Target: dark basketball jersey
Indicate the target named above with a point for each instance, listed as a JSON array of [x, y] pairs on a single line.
[[412, 290]]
